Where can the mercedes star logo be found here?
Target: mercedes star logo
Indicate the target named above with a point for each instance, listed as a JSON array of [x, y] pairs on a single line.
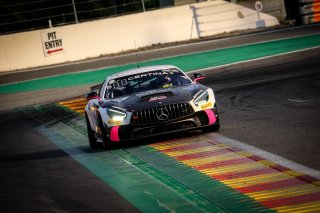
[[162, 114]]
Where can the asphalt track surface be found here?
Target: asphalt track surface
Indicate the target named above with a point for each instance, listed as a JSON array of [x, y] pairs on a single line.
[[271, 104]]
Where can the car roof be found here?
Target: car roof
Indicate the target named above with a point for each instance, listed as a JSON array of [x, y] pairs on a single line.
[[140, 70]]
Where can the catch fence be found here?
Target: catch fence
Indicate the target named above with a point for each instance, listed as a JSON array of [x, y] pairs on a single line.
[[17, 16]]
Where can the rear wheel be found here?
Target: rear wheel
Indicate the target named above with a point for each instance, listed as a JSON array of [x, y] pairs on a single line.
[[92, 139]]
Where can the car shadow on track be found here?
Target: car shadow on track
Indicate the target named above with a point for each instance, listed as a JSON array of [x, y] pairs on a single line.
[[145, 141], [40, 155]]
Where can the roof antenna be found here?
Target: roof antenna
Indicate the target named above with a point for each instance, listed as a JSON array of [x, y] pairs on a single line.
[[135, 46]]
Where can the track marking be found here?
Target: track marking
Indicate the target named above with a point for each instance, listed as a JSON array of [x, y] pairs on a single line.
[[266, 155], [77, 105], [304, 101], [253, 60]]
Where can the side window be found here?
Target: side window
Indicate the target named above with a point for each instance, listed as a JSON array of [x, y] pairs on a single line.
[[108, 94]]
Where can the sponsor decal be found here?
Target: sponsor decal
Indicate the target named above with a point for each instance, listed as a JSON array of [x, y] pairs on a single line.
[[156, 98], [130, 80]]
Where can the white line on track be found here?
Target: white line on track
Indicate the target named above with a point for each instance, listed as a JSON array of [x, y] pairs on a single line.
[[266, 155], [252, 60], [303, 100]]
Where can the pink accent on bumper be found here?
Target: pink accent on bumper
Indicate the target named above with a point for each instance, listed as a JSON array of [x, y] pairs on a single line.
[[114, 134], [211, 116]]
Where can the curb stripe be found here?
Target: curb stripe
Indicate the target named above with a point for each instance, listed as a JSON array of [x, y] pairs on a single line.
[[283, 192], [204, 160], [201, 154], [247, 173], [185, 148], [180, 153], [308, 179], [306, 207], [77, 105], [218, 164], [292, 200], [262, 180], [271, 185], [258, 179], [232, 169]]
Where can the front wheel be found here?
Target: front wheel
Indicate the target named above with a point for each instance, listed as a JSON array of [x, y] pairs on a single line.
[[106, 141], [212, 128], [92, 139]]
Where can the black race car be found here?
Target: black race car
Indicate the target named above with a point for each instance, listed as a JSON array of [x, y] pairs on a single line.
[[149, 101]]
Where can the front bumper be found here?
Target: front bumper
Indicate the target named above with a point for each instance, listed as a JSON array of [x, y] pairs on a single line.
[[194, 121]]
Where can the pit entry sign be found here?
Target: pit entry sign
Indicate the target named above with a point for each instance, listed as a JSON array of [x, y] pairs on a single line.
[[52, 42]]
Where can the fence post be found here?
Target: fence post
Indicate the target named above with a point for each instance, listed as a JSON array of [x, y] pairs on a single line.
[[195, 17], [50, 23], [143, 7], [75, 12]]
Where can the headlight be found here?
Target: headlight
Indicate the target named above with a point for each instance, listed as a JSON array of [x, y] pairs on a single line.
[[201, 98], [116, 115]]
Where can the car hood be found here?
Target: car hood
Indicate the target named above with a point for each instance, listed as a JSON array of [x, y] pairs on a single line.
[[154, 98]]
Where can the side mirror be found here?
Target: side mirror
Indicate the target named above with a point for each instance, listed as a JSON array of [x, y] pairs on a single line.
[[92, 95], [198, 76]]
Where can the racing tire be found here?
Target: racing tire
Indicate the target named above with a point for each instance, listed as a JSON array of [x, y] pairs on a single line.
[[105, 139], [92, 139]]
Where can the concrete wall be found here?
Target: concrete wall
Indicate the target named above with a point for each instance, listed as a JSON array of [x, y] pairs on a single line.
[[275, 8], [221, 16], [113, 35]]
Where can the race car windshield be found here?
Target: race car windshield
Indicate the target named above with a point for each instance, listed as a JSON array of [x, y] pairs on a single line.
[[145, 81]]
